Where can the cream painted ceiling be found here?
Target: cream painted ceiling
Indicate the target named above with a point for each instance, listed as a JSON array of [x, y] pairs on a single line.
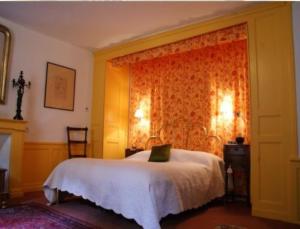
[[97, 25]]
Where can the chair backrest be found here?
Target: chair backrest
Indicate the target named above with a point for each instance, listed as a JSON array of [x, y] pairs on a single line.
[[81, 139]]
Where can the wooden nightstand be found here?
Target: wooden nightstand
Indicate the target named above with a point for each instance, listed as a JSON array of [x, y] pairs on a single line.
[[131, 151], [238, 157]]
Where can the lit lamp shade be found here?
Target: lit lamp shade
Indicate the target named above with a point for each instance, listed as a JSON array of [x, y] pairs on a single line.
[[139, 114]]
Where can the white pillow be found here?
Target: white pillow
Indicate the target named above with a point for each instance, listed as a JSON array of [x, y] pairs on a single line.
[[140, 156], [180, 155]]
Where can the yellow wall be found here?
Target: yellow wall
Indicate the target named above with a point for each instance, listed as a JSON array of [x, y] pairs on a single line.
[[115, 112], [98, 107], [273, 110]]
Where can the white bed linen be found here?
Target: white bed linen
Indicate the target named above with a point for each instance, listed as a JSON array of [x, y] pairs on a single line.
[[141, 190]]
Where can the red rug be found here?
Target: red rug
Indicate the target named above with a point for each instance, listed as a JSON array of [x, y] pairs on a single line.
[[37, 216]]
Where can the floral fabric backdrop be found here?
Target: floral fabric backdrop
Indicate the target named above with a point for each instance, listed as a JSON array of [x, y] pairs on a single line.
[[222, 36], [205, 87]]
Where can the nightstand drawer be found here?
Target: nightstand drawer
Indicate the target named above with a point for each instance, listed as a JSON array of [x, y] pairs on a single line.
[[236, 149]]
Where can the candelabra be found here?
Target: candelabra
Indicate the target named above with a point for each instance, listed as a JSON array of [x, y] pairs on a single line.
[[21, 84]]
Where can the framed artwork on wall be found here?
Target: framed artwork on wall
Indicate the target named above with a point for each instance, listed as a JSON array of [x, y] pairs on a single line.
[[60, 87]]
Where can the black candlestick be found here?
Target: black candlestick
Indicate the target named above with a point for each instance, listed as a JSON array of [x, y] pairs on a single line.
[[21, 84]]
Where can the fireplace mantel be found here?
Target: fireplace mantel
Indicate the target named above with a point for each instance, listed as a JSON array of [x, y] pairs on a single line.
[[15, 129]]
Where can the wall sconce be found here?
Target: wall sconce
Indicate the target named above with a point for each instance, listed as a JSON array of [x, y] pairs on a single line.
[[142, 122], [139, 114], [226, 108]]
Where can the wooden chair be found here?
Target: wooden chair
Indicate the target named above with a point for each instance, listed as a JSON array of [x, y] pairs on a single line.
[[82, 132]]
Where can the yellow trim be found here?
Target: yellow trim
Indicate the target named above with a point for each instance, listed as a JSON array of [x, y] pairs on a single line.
[[9, 125], [116, 112], [46, 143], [98, 107]]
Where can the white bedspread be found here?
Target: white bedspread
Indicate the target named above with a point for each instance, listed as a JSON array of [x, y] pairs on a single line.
[[141, 190]]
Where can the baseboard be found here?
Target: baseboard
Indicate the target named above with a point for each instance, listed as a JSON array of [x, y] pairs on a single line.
[[34, 187], [269, 214], [16, 192], [294, 222]]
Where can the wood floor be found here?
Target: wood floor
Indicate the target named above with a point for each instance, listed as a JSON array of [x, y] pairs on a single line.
[[205, 218]]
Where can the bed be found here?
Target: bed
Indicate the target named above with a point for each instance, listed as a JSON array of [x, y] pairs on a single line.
[[141, 190]]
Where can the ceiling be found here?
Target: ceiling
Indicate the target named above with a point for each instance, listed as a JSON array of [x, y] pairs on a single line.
[[98, 25]]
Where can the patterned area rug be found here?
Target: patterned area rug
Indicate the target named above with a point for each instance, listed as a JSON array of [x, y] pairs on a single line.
[[34, 216], [229, 227]]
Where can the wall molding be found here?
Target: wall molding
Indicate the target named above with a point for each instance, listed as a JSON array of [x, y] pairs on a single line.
[[39, 159]]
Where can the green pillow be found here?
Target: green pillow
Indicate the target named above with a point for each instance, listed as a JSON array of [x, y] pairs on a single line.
[[160, 153]]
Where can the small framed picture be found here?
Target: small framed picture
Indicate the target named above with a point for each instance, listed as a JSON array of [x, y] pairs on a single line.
[[60, 87]]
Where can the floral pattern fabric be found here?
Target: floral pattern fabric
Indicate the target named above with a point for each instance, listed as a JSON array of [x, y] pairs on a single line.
[[191, 84], [222, 36], [208, 86]]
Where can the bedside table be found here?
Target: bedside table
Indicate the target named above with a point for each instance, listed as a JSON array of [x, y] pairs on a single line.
[[237, 156], [131, 151]]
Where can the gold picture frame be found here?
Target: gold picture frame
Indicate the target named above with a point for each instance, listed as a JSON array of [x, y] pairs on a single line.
[[5, 41], [60, 87]]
